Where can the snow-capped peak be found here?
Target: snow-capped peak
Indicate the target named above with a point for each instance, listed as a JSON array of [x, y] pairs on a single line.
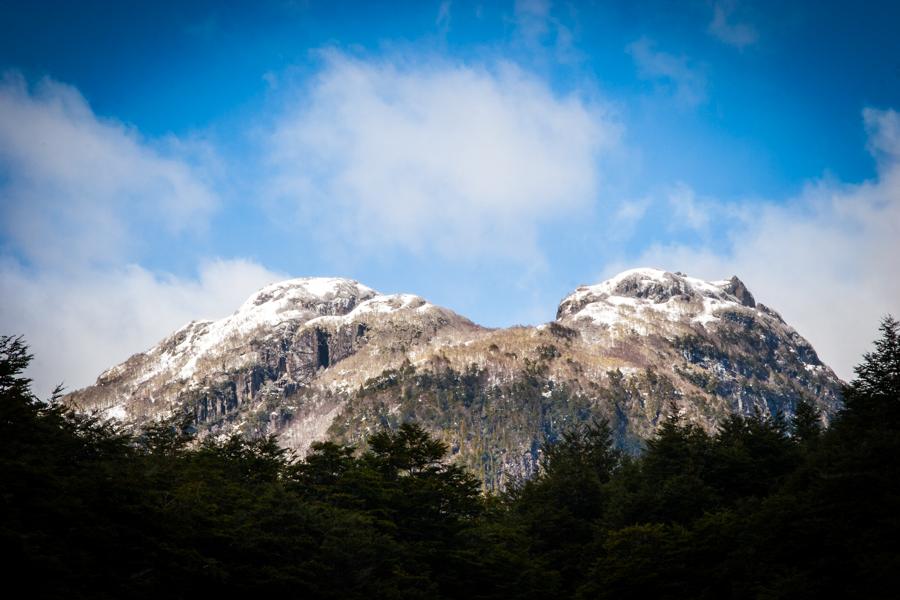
[[327, 293], [673, 296], [302, 302], [292, 300], [304, 298], [300, 354], [655, 284], [381, 304]]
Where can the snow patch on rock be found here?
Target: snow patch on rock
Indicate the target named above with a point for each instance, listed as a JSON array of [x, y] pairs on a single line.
[[633, 297]]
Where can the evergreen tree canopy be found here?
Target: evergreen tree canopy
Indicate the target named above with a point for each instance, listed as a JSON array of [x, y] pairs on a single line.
[[874, 396], [760, 508]]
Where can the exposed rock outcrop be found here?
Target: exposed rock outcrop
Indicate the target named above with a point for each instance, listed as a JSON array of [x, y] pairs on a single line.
[[310, 359]]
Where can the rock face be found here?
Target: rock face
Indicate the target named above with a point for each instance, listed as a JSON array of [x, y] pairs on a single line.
[[315, 359]]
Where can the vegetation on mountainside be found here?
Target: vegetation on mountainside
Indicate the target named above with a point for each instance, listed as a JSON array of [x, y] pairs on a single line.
[[762, 508]]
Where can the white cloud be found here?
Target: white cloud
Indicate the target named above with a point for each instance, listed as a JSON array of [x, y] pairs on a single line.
[[883, 127], [78, 324], [630, 212], [459, 160], [738, 35], [533, 20], [827, 260], [688, 210], [675, 74], [74, 187], [443, 17], [78, 196], [543, 35]]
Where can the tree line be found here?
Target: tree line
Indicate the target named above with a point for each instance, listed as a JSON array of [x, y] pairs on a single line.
[[765, 507]]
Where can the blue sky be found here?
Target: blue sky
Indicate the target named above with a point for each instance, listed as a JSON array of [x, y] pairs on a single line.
[[159, 161]]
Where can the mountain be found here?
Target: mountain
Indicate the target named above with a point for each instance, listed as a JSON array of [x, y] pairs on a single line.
[[324, 358]]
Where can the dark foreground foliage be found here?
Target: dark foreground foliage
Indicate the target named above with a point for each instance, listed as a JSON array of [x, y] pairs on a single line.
[[762, 509]]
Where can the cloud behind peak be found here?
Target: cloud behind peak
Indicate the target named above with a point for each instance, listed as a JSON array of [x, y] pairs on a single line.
[[438, 157]]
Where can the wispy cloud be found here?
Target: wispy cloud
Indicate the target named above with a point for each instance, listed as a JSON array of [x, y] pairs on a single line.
[[436, 157], [675, 75], [827, 260], [79, 195], [442, 21], [734, 34], [883, 128], [545, 35], [533, 18], [689, 211], [76, 186], [80, 322]]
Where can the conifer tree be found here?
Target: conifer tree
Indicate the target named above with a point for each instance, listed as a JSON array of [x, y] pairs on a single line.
[[875, 393], [806, 424]]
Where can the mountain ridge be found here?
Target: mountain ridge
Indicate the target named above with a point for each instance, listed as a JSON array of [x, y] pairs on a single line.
[[311, 359]]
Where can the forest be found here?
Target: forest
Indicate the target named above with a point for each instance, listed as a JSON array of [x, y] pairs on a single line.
[[765, 507]]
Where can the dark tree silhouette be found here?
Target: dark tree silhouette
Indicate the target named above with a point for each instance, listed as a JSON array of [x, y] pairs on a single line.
[[759, 508]]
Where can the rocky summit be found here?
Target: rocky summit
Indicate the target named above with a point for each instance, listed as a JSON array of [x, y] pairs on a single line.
[[331, 359]]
